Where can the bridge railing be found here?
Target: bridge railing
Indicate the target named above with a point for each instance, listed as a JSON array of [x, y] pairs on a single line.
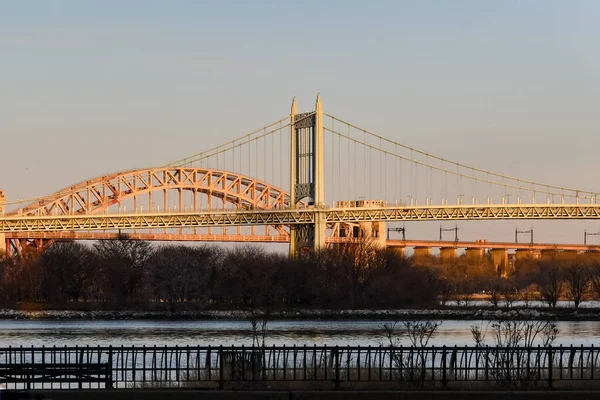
[[307, 366]]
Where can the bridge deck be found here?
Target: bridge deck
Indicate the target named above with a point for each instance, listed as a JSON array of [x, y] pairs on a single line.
[[295, 217]]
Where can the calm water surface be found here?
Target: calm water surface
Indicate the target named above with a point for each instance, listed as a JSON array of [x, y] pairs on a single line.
[[227, 332]]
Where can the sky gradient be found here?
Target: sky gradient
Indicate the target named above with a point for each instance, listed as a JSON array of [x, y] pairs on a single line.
[[92, 87]]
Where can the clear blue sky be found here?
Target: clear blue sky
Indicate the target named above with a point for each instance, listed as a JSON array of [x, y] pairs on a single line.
[[91, 87]]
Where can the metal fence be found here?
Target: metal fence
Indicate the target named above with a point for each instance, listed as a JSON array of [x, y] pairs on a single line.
[[220, 367]]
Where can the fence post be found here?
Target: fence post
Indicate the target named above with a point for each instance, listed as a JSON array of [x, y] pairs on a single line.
[[337, 367], [109, 384], [221, 369], [550, 362], [444, 366], [29, 377]]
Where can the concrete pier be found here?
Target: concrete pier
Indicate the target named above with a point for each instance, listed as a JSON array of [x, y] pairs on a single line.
[[2, 243], [523, 254], [549, 253], [568, 254], [593, 254], [447, 253], [422, 251], [500, 258], [473, 254], [399, 250]]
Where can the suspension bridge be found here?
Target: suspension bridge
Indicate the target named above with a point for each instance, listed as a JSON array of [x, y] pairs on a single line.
[[309, 179]]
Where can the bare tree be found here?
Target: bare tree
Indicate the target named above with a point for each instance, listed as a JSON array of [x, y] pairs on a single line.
[[551, 283], [513, 339], [123, 264], [509, 292], [68, 272], [419, 333], [577, 282], [594, 277], [494, 294]]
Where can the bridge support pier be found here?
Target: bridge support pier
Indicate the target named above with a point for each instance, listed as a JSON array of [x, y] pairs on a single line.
[[473, 254], [399, 250], [549, 253], [500, 260], [422, 251], [568, 254], [447, 253], [593, 254], [523, 254]]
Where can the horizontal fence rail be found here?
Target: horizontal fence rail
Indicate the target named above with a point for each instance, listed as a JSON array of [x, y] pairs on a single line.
[[220, 367]]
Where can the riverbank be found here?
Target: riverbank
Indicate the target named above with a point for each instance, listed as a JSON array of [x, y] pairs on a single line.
[[454, 313]]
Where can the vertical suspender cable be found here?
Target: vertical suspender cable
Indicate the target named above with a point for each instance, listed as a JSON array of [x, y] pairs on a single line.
[[281, 158], [412, 183], [474, 183], [349, 182], [332, 165], [412, 166], [354, 181], [401, 179], [385, 197], [273, 159], [427, 179], [396, 170], [340, 167], [369, 177], [379, 184]]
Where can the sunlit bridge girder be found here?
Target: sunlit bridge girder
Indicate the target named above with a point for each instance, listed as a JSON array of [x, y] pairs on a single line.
[[291, 217]]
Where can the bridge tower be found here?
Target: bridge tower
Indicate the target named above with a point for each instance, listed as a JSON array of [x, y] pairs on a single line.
[[307, 176]]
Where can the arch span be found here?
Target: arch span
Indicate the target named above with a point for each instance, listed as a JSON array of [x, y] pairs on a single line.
[[165, 189], [99, 194], [161, 189]]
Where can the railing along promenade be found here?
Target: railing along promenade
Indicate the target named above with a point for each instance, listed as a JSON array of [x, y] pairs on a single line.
[[301, 366]]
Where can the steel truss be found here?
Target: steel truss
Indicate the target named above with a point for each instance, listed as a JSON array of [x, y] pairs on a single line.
[[293, 217]]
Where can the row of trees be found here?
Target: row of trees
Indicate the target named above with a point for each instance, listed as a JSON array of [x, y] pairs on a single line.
[[128, 272], [550, 279], [349, 276]]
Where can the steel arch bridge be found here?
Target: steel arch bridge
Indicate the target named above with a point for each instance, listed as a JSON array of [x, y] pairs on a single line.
[[180, 197], [112, 193], [154, 189]]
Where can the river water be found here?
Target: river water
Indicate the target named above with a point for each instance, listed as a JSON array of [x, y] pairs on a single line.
[[228, 332]]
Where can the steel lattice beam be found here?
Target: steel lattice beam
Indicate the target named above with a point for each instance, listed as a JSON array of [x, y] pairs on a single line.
[[294, 217]]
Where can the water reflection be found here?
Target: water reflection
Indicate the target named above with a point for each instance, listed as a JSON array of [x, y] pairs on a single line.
[[215, 333]]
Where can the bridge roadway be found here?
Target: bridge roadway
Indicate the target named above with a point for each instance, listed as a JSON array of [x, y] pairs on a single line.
[[295, 216], [480, 244]]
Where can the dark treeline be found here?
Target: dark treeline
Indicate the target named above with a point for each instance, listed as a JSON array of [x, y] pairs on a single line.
[[135, 272], [126, 272]]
